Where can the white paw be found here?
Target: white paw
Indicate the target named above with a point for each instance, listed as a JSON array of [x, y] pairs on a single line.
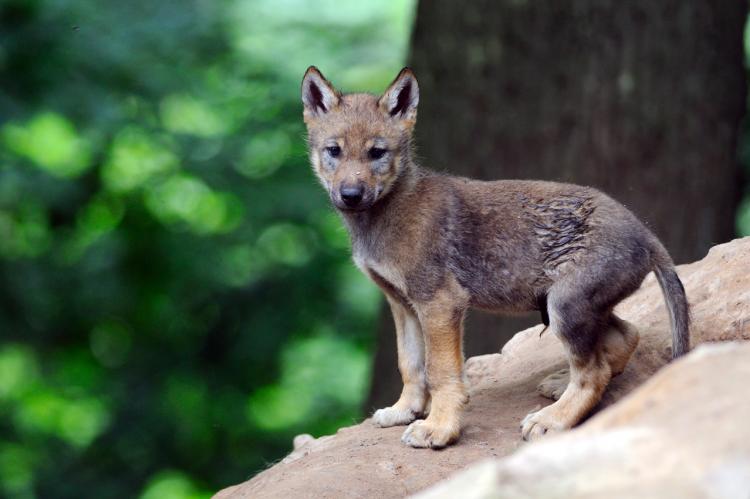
[[391, 416], [537, 424], [423, 434]]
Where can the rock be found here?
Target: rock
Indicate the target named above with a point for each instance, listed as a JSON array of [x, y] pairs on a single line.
[[366, 461], [302, 440], [684, 433]]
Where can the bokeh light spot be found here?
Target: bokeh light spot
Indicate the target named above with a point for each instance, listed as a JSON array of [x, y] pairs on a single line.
[[188, 115], [135, 157], [51, 142], [99, 217], [264, 154], [18, 371], [315, 371], [172, 484], [81, 421], [242, 264], [358, 293], [275, 407], [39, 412], [287, 244], [77, 421], [187, 200]]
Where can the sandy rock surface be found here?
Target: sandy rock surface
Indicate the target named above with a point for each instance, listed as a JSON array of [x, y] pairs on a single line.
[[684, 434], [366, 461]]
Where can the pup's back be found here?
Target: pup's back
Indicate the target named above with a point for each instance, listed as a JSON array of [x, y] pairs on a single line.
[[508, 241]]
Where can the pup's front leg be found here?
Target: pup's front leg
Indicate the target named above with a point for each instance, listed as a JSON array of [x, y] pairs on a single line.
[[442, 326], [410, 344]]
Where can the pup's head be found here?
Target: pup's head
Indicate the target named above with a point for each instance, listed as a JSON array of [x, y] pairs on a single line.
[[359, 143]]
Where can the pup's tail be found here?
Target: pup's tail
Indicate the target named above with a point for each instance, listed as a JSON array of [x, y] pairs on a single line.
[[674, 296]]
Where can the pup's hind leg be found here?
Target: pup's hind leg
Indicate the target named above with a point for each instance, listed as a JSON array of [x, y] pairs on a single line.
[[589, 377], [554, 385], [580, 324], [616, 345], [619, 343], [410, 343]]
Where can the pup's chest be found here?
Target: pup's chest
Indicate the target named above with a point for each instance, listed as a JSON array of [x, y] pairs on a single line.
[[386, 275]]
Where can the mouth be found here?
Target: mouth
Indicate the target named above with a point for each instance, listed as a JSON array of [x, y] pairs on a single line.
[[352, 209], [364, 205]]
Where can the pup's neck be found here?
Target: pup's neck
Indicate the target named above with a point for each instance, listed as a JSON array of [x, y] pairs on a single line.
[[365, 227]]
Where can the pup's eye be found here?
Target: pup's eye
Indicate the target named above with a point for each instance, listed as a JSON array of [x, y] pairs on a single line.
[[334, 151], [376, 152]]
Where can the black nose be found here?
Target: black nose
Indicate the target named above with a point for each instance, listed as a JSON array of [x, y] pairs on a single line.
[[351, 196]]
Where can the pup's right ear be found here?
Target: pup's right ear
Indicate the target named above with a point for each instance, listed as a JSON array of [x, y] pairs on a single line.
[[318, 95]]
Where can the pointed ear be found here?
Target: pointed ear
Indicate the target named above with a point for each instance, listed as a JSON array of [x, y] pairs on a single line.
[[402, 96], [318, 95]]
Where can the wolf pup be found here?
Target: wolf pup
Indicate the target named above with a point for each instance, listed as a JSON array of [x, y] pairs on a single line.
[[437, 245]]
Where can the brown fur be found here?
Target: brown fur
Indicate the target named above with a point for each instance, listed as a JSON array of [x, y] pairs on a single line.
[[438, 244]]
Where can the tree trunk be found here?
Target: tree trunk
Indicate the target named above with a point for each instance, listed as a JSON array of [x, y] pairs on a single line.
[[640, 99]]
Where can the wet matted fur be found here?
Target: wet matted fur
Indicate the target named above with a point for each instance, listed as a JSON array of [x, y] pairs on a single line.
[[438, 244]]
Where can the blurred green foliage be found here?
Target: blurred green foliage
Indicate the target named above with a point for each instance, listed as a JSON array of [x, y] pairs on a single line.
[[176, 295]]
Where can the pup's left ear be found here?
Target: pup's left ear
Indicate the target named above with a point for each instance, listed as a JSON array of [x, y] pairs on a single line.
[[402, 96]]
